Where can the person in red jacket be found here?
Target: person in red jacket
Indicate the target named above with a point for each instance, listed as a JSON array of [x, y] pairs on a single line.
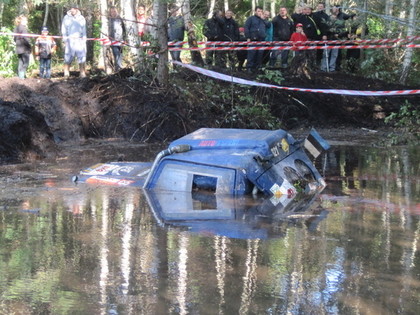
[[298, 36]]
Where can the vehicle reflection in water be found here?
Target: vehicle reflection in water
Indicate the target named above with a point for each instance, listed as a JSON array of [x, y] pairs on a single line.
[[240, 217], [99, 250]]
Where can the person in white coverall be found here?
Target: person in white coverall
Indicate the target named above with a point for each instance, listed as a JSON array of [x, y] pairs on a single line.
[[73, 30]]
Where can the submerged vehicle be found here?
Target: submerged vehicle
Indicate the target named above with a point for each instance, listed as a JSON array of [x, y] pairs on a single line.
[[223, 161]]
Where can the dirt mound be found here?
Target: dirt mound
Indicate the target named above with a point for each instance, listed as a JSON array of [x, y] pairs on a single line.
[[38, 113]]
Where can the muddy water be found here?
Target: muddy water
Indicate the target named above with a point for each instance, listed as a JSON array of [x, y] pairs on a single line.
[[73, 249]]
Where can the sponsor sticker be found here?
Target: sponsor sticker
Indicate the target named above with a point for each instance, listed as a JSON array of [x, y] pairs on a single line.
[[100, 169], [109, 181]]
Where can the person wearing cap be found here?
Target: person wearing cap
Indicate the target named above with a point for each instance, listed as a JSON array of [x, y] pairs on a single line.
[[44, 48], [298, 36], [73, 29], [23, 45], [283, 28]]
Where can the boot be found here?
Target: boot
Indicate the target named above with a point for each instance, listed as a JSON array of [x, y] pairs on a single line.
[[66, 71], [82, 70]]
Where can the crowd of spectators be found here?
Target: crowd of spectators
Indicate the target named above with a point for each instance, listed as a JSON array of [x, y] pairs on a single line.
[[302, 25]]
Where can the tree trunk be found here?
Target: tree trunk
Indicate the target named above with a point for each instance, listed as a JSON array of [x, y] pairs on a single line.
[[47, 9], [226, 5], [129, 15], [102, 62], [161, 9], [273, 8], [23, 7], [1, 13], [211, 8], [389, 6], [408, 58]]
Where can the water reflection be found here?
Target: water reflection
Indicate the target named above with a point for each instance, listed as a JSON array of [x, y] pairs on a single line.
[[68, 249]]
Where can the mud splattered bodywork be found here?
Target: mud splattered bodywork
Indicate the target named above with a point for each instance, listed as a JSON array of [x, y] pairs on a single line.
[[223, 161]]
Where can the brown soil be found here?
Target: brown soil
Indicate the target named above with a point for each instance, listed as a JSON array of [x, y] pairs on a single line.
[[37, 115]]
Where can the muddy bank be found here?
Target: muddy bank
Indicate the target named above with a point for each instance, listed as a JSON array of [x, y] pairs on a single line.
[[39, 115]]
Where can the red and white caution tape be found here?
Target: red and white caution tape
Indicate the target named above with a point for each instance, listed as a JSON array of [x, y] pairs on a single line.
[[232, 79], [297, 47], [242, 43]]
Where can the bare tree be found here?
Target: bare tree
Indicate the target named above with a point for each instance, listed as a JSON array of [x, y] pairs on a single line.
[[103, 6], [211, 8], [47, 8], [408, 58], [161, 9], [129, 15]]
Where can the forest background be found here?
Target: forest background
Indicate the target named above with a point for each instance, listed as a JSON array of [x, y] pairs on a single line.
[[385, 19]]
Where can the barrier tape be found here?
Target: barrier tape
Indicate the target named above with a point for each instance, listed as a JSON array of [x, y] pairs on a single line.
[[103, 40], [297, 47], [408, 39], [232, 79], [108, 41]]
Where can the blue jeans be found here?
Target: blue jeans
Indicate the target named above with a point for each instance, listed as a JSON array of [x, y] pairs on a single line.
[[116, 51], [45, 68], [23, 63]]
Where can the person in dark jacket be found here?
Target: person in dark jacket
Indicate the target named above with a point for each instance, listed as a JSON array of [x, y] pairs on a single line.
[[230, 34], [341, 16], [323, 18], [255, 30], [116, 34], [336, 31], [283, 29], [241, 54], [23, 45], [213, 29], [311, 24], [356, 30], [313, 28], [176, 29]]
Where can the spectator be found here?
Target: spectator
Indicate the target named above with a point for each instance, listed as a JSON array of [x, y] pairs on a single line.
[[268, 36], [336, 31], [176, 29], [283, 28], [150, 28], [73, 30], [241, 54], [298, 36], [311, 23], [44, 48], [312, 27], [23, 45], [320, 13], [323, 17], [141, 19], [117, 35], [213, 30], [336, 11], [255, 30], [230, 34], [353, 55]]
